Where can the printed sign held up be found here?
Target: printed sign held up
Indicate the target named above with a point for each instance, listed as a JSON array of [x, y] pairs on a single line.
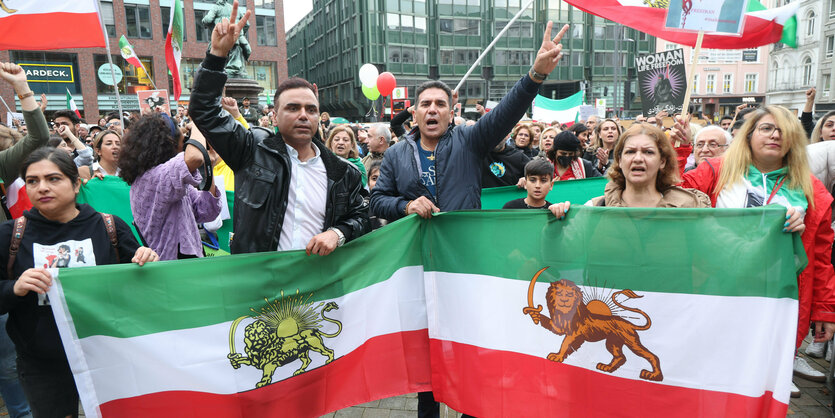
[[710, 16], [662, 80]]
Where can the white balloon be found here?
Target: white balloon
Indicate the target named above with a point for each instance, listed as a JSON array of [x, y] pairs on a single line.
[[368, 75]]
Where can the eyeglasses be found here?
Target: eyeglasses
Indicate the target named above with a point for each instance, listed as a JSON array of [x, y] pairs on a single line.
[[713, 146], [114, 124], [767, 129]]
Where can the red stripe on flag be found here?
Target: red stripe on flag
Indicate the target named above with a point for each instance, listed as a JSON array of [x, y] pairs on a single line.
[[387, 365], [171, 61], [51, 31], [651, 20], [490, 383]]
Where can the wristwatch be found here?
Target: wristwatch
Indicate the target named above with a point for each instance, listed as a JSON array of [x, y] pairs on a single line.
[[341, 236], [537, 76]]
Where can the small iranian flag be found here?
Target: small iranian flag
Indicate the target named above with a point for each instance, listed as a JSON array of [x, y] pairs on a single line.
[[17, 201], [565, 110], [545, 321], [129, 54], [174, 46], [71, 104], [762, 26]]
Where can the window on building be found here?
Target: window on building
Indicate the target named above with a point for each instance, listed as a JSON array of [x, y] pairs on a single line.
[[774, 72], [446, 57], [265, 4], [131, 79], [576, 58], [669, 46], [831, 8], [577, 30], [710, 83], [508, 57], [265, 28], [810, 23], [460, 26], [727, 83], [751, 83], [466, 56], [830, 45], [807, 71], [107, 17], [695, 89], [165, 12], [826, 84], [64, 73], [203, 33], [517, 29], [138, 19]]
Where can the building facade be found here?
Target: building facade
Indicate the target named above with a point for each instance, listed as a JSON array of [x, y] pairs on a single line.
[[422, 40], [792, 71], [84, 72], [724, 78], [826, 92]]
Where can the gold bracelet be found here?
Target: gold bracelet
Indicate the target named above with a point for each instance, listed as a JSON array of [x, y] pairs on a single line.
[[406, 210], [30, 93]]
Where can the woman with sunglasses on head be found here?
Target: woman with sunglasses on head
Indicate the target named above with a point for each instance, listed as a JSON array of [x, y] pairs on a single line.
[[56, 232], [767, 164], [162, 170]]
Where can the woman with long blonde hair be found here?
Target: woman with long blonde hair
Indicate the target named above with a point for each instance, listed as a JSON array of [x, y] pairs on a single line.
[[767, 164]]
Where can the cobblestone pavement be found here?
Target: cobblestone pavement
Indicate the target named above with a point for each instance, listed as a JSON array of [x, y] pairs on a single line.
[[815, 401]]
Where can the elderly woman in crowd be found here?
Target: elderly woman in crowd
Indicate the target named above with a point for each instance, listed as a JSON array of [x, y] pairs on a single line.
[[342, 142], [522, 139], [606, 134], [546, 139], [162, 172], [767, 164], [56, 221]]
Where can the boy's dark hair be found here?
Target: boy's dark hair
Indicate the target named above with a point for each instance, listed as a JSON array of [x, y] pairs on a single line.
[[293, 83], [738, 124], [743, 112], [434, 84], [69, 114], [374, 166], [578, 128], [539, 167], [726, 117]]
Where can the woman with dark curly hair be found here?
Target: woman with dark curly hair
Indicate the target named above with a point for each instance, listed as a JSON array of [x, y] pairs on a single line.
[[166, 205]]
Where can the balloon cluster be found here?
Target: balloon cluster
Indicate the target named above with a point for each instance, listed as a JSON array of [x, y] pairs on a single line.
[[375, 84]]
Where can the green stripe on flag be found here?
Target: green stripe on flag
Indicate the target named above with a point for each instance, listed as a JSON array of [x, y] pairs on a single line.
[[724, 252], [789, 27], [569, 102]]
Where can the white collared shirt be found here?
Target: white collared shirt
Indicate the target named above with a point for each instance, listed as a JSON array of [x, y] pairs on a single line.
[[306, 201]]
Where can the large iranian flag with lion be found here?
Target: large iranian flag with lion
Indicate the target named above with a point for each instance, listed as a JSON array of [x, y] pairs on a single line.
[[633, 312]]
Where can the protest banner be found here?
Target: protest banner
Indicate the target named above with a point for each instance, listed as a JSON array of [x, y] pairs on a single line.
[[723, 17], [454, 304], [154, 100], [662, 78]]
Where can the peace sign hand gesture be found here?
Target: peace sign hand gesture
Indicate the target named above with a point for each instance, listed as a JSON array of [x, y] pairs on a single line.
[[226, 32], [550, 52]]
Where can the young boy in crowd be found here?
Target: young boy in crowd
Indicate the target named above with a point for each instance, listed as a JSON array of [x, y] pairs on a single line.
[[539, 174]]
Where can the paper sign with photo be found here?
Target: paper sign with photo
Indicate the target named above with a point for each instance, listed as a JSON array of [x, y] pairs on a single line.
[[62, 255], [156, 100], [711, 16], [663, 81]]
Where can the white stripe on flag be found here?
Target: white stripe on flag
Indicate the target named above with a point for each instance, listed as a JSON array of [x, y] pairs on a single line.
[[51, 6], [699, 339]]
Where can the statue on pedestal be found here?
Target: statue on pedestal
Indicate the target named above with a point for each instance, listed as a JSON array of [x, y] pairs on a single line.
[[236, 61]]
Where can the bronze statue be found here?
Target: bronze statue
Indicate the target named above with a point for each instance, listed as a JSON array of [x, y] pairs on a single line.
[[236, 60]]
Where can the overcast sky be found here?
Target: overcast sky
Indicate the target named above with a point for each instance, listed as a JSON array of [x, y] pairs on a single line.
[[295, 10]]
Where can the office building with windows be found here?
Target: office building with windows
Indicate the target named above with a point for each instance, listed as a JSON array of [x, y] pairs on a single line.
[[85, 73], [422, 40]]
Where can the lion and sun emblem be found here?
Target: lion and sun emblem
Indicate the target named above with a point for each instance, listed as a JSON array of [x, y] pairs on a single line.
[[592, 319], [283, 331]]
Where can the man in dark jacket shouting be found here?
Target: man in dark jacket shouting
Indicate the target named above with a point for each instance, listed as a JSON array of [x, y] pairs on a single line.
[[290, 191], [437, 167]]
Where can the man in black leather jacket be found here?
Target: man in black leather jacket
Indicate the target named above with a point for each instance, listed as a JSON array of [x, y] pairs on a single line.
[[290, 191]]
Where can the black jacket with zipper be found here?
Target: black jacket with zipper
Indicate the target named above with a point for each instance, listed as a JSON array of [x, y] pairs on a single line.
[[31, 324], [262, 171]]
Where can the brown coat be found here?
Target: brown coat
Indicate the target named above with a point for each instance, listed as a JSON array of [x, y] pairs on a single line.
[[674, 197]]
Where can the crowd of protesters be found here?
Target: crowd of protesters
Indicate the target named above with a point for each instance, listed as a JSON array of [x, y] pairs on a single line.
[[302, 182]]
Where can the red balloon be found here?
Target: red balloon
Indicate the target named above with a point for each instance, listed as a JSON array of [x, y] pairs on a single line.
[[386, 83]]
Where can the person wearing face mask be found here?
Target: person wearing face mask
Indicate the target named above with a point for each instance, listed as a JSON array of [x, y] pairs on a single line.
[[567, 163]]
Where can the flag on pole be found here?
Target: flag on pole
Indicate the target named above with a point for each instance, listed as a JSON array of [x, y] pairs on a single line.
[[446, 303], [549, 110], [53, 24], [71, 104], [17, 201], [762, 26], [129, 54], [174, 46]]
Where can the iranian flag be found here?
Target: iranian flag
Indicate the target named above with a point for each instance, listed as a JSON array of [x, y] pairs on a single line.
[[17, 201], [564, 110], [449, 306], [762, 26], [174, 46], [53, 24], [71, 104], [129, 54]]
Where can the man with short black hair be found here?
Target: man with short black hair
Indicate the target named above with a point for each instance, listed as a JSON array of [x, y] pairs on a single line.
[[291, 192], [250, 113], [67, 118], [726, 122]]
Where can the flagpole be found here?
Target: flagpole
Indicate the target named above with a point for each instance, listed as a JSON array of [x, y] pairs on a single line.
[[4, 104], [112, 73], [489, 47]]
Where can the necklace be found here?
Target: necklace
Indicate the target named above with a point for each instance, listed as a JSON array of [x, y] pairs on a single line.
[[431, 156]]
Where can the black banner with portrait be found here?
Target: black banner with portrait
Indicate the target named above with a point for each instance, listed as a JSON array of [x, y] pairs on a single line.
[[662, 78]]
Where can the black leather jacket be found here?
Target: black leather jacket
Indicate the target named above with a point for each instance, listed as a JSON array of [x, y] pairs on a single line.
[[262, 171]]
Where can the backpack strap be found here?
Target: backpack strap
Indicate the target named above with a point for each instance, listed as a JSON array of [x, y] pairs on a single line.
[[111, 231], [14, 245]]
